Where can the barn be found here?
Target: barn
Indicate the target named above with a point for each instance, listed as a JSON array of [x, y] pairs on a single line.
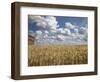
[[31, 39]]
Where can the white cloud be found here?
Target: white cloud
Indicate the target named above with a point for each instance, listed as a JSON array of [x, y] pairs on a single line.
[[82, 30], [64, 31], [51, 22], [38, 32], [76, 30], [69, 25], [53, 31], [68, 32], [61, 37], [36, 18], [45, 35], [41, 34], [53, 37], [41, 24], [60, 31], [48, 22], [46, 32]]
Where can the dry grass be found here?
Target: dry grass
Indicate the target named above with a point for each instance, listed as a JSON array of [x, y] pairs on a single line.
[[57, 55]]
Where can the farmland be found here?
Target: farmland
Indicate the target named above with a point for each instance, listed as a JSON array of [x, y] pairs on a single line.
[[44, 55]]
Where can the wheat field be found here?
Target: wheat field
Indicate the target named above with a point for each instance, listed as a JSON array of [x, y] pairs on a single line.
[[44, 55]]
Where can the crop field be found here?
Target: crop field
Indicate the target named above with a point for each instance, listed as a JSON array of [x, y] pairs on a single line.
[[44, 55]]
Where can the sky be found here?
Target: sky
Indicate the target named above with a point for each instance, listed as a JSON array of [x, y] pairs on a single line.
[[58, 29]]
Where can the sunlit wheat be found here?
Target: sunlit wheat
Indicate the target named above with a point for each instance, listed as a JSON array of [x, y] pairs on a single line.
[[43, 55]]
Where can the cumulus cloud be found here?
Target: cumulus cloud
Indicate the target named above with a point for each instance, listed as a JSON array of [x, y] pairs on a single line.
[[41, 24], [68, 32], [53, 37], [51, 22], [82, 30], [46, 32], [47, 22], [38, 32], [69, 25], [39, 20], [41, 34], [60, 31], [64, 31], [60, 37], [53, 31], [76, 30]]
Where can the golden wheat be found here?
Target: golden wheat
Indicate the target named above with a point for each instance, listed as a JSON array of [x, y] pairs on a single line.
[[44, 55]]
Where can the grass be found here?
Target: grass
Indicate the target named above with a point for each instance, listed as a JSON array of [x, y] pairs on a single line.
[[44, 55]]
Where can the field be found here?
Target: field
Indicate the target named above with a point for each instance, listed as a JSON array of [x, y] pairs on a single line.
[[44, 55]]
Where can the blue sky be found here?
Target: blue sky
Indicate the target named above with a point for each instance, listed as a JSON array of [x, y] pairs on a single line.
[[79, 21], [59, 29]]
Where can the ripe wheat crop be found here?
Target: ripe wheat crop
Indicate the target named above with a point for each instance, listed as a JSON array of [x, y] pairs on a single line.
[[44, 55]]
